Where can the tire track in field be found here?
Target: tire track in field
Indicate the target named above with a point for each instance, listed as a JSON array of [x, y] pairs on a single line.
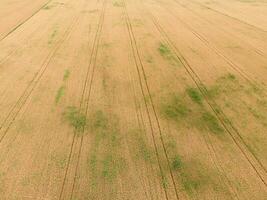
[[237, 138], [137, 59], [8, 121], [13, 52], [43, 68], [252, 81], [234, 193], [234, 18], [27, 19], [14, 10], [219, 167], [93, 61], [84, 98], [208, 44], [20, 48], [259, 52], [140, 122], [245, 76], [141, 126], [43, 145], [212, 47]]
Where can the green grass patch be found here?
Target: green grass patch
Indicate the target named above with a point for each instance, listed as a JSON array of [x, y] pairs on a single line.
[[166, 53], [255, 113], [99, 121], [108, 170], [195, 178], [118, 4], [214, 91], [193, 183], [92, 162], [176, 163], [47, 7], [145, 151], [181, 111], [211, 122], [175, 109], [60, 94], [52, 36], [112, 165], [164, 182], [76, 119], [229, 76], [105, 161], [66, 75], [141, 147], [103, 128], [195, 95], [164, 50], [227, 84], [60, 160]]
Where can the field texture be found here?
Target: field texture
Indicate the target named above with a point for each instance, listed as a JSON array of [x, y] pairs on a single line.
[[133, 99]]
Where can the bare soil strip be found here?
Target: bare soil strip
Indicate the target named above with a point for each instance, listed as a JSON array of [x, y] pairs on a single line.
[[16, 21]]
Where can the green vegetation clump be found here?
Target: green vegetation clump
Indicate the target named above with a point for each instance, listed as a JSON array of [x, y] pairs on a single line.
[[99, 121], [226, 84], [143, 150], [179, 110], [112, 165], [166, 53], [230, 76], [108, 164], [211, 122], [193, 183], [108, 171], [192, 175], [176, 109], [176, 163], [194, 94], [66, 75], [195, 177], [118, 4], [213, 92], [59, 160], [47, 7], [164, 182], [75, 118], [61, 90], [53, 35], [164, 50], [60, 93], [226, 78]]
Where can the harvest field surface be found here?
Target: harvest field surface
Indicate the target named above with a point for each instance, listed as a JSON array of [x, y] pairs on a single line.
[[133, 99]]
